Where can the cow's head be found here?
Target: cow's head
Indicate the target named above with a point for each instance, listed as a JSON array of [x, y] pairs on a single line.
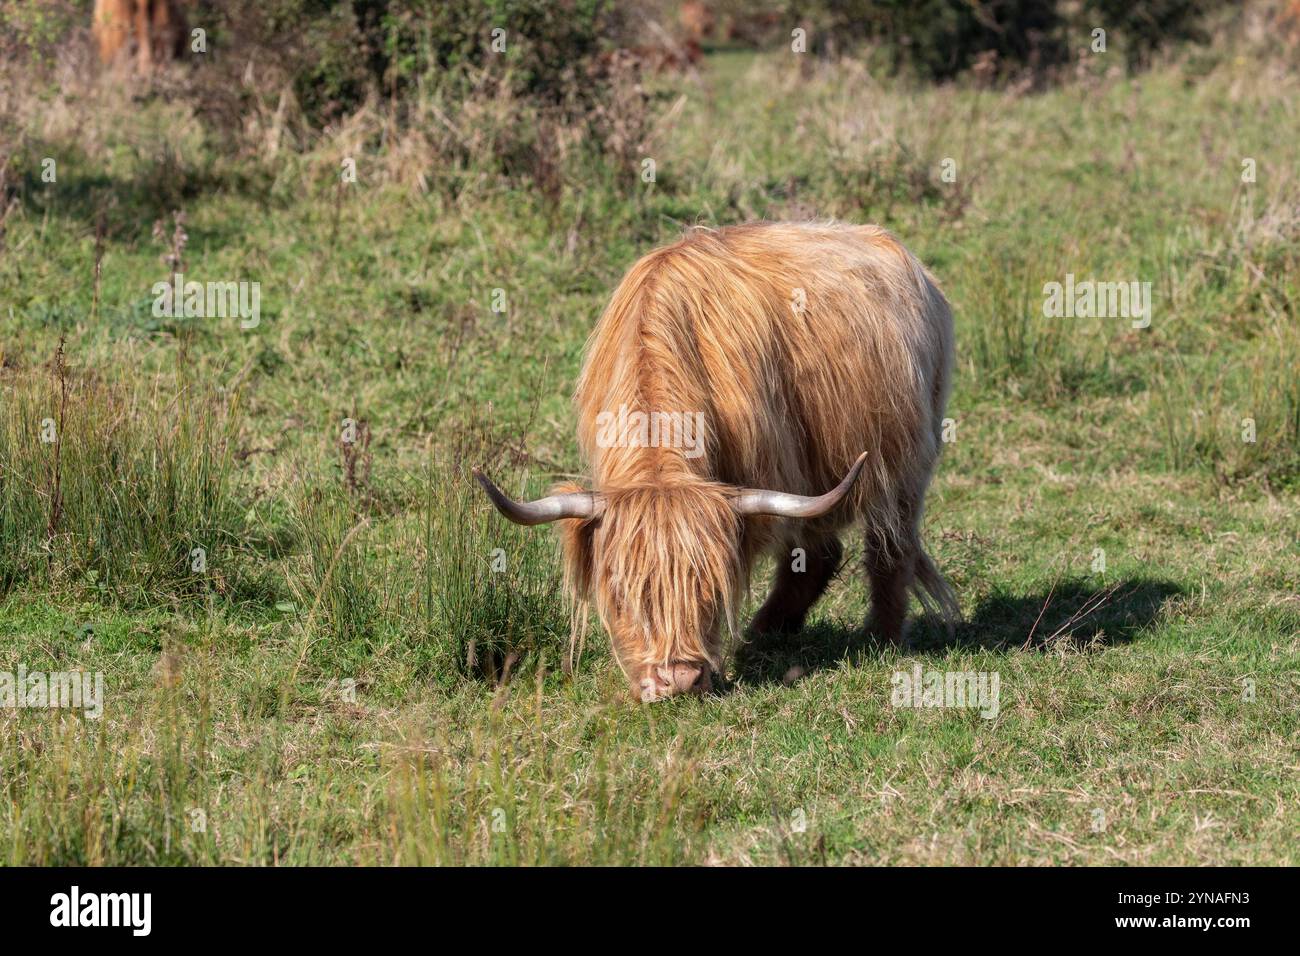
[[664, 563]]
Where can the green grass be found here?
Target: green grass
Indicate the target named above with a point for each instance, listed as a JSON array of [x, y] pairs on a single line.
[[351, 680]]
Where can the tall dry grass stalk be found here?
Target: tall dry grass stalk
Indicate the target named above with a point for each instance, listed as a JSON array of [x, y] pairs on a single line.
[[128, 491]]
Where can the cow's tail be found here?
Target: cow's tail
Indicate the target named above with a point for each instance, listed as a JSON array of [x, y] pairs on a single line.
[[934, 592]]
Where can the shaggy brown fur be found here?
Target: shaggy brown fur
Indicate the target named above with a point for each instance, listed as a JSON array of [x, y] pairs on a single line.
[[146, 32], [789, 398]]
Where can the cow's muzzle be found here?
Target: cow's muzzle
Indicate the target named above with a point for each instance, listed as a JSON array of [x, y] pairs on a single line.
[[659, 682]]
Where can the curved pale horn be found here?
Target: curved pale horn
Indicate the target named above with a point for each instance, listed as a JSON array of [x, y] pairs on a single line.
[[752, 501], [578, 504]]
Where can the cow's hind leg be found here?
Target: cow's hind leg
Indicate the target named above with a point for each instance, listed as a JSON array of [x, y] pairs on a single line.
[[891, 568], [799, 583], [897, 565]]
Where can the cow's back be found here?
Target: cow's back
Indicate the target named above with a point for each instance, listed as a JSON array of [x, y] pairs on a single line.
[[802, 345]]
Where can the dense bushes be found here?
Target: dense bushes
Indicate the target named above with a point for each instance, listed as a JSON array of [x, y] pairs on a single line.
[[336, 54], [31, 30], [939, 39]]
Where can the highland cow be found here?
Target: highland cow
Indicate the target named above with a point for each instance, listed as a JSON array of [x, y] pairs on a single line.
[[143, 32], [819, 356]]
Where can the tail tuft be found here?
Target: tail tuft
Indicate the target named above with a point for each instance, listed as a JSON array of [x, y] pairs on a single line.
[[935, 594]]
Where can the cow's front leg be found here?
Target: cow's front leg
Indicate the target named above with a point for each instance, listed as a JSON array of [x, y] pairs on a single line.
[[800, 581]]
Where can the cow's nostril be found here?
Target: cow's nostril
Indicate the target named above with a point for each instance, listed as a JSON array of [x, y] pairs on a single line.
[[681, 677]]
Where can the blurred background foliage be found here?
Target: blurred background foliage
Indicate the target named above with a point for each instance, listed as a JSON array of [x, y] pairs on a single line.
[[336, 54]]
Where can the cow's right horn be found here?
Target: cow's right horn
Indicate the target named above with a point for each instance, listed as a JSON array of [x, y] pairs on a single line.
[[577, 504], [754, 501]]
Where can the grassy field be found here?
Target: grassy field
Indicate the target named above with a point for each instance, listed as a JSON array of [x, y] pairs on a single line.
[[347, 680]]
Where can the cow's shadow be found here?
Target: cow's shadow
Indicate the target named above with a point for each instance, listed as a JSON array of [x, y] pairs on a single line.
[[1078, 612]]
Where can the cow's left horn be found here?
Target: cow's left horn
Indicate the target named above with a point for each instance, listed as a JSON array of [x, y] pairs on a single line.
[[753, 501], [578, 504]]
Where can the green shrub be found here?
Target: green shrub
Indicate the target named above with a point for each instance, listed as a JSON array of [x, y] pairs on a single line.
[[941, 39], [33, 29], [1144, 28], [336, 54]]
